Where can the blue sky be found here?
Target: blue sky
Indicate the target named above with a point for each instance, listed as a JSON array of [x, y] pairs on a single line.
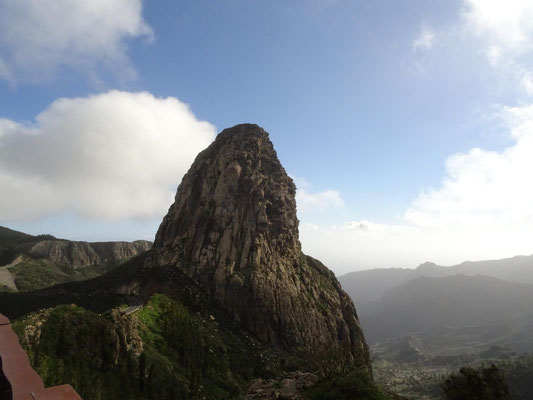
[[405, 124]]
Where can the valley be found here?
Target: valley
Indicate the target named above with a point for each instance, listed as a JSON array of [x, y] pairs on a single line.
[[426, 323]]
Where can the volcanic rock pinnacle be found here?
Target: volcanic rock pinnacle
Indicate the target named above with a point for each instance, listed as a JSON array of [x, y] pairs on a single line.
[[233, 229]]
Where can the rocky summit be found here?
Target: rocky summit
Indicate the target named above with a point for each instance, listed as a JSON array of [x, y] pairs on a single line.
[[233, 229]]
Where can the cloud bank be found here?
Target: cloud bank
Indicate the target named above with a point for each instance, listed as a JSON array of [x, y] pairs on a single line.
[[38, 37], [482, 209], [484, 187], [115, 155]]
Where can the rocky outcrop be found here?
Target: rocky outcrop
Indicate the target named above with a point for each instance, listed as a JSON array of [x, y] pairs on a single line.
[[233, 229], [290, 387], [74, 255], [127, 333]]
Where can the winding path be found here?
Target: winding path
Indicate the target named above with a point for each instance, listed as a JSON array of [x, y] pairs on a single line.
[[135, 304]]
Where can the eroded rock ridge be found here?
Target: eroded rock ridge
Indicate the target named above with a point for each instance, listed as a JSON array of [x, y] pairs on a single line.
[[66, 253]]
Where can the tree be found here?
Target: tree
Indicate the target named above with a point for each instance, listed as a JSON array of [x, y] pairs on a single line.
[[470, 384], [142, 371], [351, 385]]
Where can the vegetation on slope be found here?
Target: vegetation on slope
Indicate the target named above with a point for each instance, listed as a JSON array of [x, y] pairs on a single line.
[[518, 372], [179, 345], [163, 352], [34, 274], [424, 378], [10, 238], [78, 347], [350, 385]]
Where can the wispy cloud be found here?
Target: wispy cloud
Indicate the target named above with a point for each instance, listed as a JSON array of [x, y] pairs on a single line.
[[425, 39]]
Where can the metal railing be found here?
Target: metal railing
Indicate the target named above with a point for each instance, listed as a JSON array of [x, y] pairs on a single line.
[[18, 380]]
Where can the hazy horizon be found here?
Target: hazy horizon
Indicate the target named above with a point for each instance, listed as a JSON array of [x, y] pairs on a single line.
[[408, 128]]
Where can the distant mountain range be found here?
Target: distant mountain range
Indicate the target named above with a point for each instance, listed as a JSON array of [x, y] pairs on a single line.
[[485, 302], [30, 262], [369, 285]]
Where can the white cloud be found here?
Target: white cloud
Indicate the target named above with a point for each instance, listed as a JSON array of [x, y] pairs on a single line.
[[38, 37], [483, 209], [507, 24], [506, 28], [484, 188], [308, 201], [111, 156], [425, 40]]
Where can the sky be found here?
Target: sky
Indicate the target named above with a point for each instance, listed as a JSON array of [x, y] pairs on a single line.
[[407, 125]]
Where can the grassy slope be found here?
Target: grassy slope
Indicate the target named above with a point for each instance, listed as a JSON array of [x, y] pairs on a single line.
[[32, 274]]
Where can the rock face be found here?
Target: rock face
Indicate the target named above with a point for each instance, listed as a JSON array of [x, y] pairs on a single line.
[[233, 229], [74, 255]]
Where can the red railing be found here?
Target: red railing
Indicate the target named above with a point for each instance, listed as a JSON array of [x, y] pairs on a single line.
[[18, 380]]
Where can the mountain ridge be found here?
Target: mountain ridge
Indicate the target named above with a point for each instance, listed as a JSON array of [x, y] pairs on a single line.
[[368, 285], [32, 262]]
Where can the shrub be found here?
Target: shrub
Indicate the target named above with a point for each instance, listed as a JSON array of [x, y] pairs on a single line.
[[352, 385]]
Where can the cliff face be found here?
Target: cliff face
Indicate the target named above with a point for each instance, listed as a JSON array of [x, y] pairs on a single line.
[[233, 229], [33, 262], [74, 255]]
